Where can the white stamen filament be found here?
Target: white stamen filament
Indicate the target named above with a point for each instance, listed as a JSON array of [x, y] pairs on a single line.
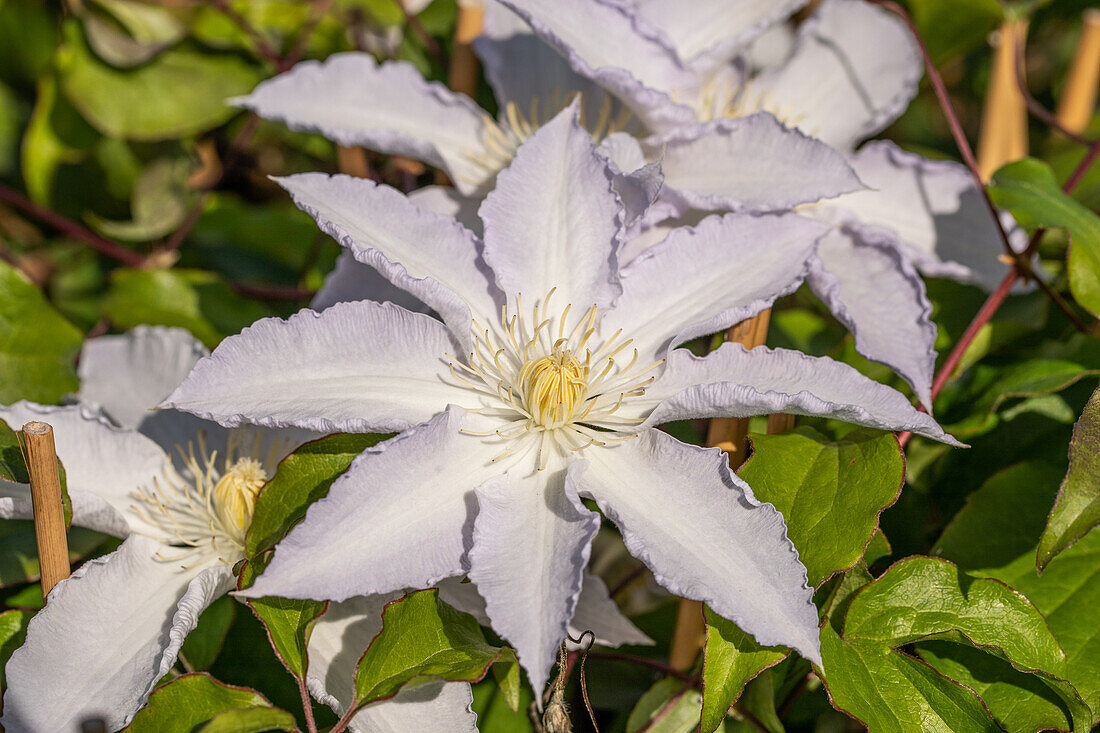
[[547, 386], [206, 505]]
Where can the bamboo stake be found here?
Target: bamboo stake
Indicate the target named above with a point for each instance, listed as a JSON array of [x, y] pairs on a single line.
[[49, 517], [353, 161], [1003, 136], [1078, 101], [462, 76], [731, 434]]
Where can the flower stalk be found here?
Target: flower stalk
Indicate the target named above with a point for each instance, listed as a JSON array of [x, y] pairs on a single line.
[[49, 517]]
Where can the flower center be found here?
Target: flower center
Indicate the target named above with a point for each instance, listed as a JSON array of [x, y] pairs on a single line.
[[552, 383], [206, 504]]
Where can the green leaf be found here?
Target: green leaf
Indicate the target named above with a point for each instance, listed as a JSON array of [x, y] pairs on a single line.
[[301, 478], [37, 345], [494, 712], [506, 673], [995, 535], [829, 492], [1077, 509], [56, 135], [289, 624], [730, 659], [202, 645], [193, 299], [1032, 378], [894, 693], [28, 36], [251, 720], [181, 92], [1030, 191], [422, 639], [951, 28], [158, 205], [188, 702], [127, 33], [682, 716], [19, 552], [13, 630], [921, 597]]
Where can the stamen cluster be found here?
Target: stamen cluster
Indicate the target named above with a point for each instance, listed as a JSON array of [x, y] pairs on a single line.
[[550, 385]]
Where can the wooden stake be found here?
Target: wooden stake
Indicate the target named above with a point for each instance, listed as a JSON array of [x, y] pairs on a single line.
[[49, 517], [731, 434], [353, 161], [462, 76], [1003, 136], [1078, 100]]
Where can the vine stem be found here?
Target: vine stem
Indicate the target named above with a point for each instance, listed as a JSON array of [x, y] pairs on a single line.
[[643, 662], [70, 228], [307, 706]]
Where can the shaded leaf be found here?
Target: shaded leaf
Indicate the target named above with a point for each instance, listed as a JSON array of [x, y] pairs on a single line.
[[37, 345], [730, 659], [422, 639], [1077, 508], [1029, 190], [158, 205], [675, 702], [13, 630], [188, 702], [202, 645], [301, 478]]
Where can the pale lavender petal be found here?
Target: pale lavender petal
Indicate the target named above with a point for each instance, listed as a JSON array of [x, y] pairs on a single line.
[[531, 540], [339, 639], [357, 367], [430, 255], [414, 493], [751, 164], [554, 219], [684, 513], [872, 289], [389, 107], [736, 264], [714, 29], [936, 211], [104, 466], [605, 41], [734, 382], [129, 375], [853, 71], [637, 181], [107, 634]]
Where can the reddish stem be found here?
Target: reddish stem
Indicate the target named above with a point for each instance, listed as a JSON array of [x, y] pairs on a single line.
[[307, 706], [69, 227]]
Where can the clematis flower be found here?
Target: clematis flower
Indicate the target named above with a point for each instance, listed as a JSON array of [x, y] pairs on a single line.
[[851, 70], [181, 492], [539, 388]]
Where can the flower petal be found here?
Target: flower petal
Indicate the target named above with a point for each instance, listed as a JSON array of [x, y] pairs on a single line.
[[872, 289], [430, 255], [595, 612], [605, 41], [357, 367], [937, 212], [339, 639], [531, 541], [105, 637], [415, 492], [853, 71], [637, 181], [684, 513], [751, 164], [389, 107], [128, 375], [554, 219], [717, 28], [104, 465], [737, 264], [352, 280], [734, 382]]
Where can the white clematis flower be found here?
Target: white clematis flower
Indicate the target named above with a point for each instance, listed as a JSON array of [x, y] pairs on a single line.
[[537, 389], [851, 70], [181, 491]]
